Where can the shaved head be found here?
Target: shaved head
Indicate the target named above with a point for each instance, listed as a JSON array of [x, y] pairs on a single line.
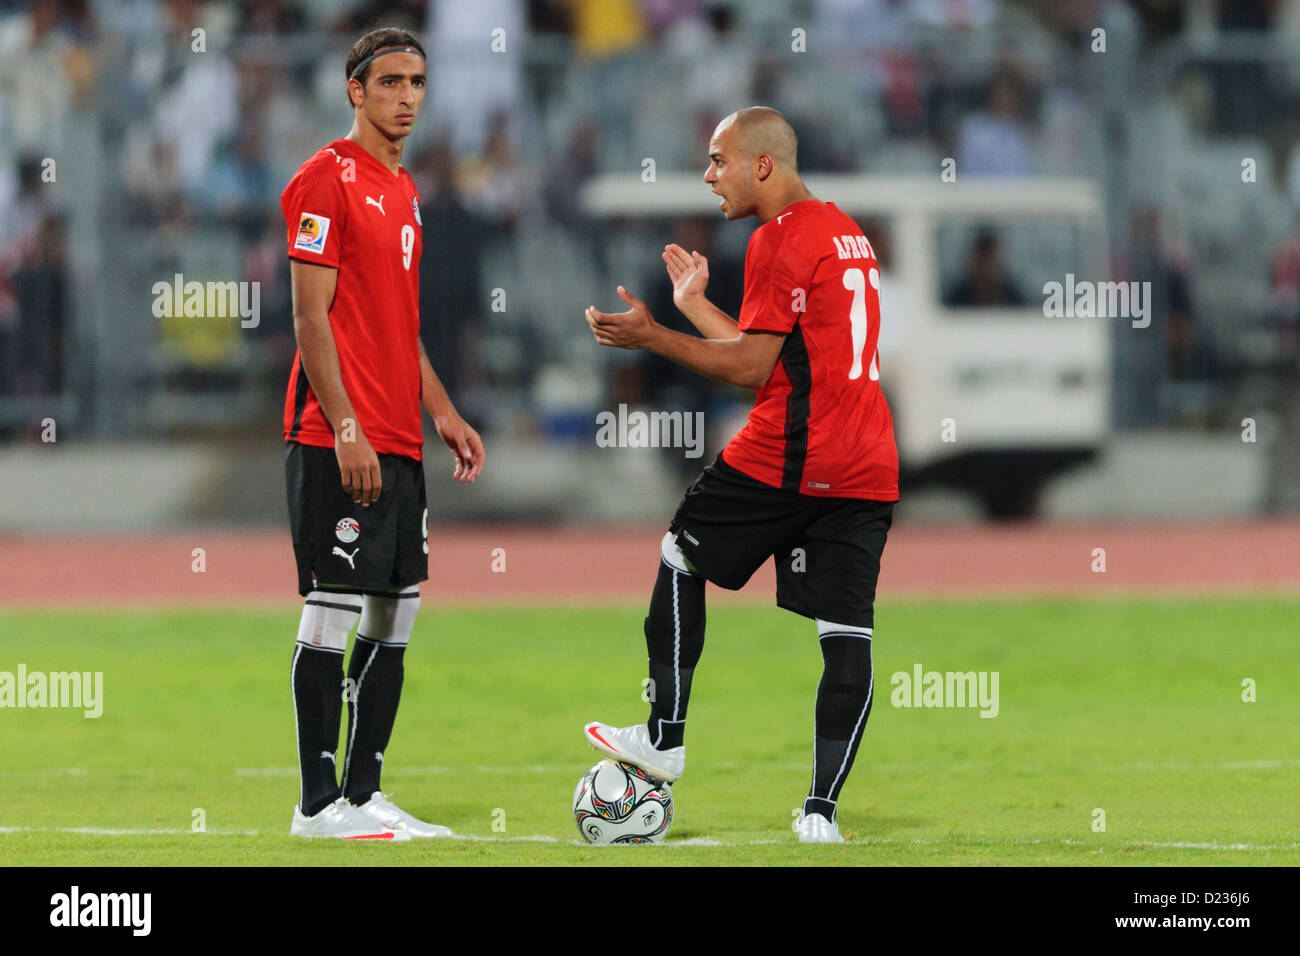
[[753, 164], [761, 129]]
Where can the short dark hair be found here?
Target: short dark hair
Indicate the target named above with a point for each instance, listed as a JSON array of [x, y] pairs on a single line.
[[377, 40]]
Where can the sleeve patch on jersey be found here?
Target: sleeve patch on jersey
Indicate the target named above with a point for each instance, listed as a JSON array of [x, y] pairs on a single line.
[[312, 230]]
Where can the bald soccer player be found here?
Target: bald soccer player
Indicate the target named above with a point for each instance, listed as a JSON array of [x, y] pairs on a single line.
[[812, 478]]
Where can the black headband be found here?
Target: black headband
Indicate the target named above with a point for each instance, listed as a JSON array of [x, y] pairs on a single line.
[[388, 49]]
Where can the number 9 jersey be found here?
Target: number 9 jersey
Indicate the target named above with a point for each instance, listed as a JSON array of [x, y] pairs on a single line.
[[345, 209], [820, 425]]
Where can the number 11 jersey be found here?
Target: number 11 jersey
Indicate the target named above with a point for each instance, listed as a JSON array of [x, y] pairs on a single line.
[[344, 209], [820, 425]]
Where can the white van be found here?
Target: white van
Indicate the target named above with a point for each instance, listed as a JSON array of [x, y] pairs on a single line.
[[990, 394]]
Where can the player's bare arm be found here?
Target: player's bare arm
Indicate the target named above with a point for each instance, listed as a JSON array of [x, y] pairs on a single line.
[[746, 359], [689, 272], [465, 444], [313, 291]]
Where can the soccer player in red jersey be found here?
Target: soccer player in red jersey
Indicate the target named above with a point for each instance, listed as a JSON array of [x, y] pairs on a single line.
[[811, 479], [355, 441]]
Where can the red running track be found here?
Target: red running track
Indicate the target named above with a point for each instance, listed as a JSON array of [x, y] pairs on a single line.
[[563, 564]]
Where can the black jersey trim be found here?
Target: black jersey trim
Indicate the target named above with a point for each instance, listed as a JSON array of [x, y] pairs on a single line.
[[299, 396], [794, 358]]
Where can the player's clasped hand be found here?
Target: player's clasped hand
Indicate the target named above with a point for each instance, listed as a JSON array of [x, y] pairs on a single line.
[[359, 466], [624, 330]]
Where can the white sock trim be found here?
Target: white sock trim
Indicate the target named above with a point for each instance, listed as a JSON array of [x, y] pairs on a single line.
[[677, 654], [297, 737], [825, 628], [857, 733], [354, 704]]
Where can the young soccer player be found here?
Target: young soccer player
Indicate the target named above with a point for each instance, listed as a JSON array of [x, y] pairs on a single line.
[[811, 479], [354, 432]]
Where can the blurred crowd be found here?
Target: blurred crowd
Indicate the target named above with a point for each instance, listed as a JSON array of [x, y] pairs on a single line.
[[204, 110]]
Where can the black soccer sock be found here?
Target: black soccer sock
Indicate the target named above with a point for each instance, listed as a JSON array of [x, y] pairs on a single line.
[[375, 671], [317, 679], [674, 638], [843, 705]]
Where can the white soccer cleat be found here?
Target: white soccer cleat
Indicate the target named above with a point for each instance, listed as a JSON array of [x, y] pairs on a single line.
[[340, 820], [815, 828], [632, 745], [383, 812]]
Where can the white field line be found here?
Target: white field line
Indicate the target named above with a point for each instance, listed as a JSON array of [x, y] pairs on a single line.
[[176, 831], [1185, 845], [692, 841], [1263, 764], [127, 831], [1222, 846], [501, 769]]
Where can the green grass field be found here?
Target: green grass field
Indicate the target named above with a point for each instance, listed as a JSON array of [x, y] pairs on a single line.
[[1133, 706]]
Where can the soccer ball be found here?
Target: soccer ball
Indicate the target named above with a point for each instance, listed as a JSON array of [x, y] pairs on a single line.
[[616, 802]]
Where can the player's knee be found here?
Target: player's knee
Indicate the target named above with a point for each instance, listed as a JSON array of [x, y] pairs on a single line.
[[389, 619], [328, 618], [673, 555]]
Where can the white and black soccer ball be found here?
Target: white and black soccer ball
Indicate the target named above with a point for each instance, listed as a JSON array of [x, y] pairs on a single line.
[[616, 802]]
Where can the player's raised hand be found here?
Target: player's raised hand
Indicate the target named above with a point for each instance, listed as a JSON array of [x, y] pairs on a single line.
[[689, 272], [623, 330], [358, 466], [465, 444]]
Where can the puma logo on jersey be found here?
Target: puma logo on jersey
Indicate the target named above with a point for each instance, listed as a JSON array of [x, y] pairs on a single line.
[[378, 205], [343, 554]]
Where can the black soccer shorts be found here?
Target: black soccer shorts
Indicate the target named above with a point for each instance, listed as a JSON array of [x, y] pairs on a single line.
[[827, 550], [341, 546]]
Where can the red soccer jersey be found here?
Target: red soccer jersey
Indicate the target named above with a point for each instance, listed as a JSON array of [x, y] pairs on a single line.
[[820, 425], [344, 209]]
